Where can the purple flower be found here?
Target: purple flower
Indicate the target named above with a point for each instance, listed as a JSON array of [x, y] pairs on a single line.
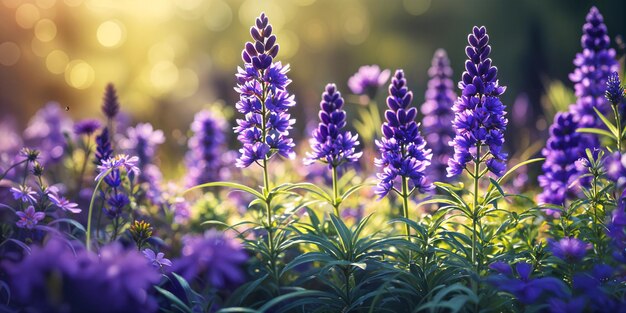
[[438, 114], [403, 153], [62, 203], [115, 205], [206, 148], [215, 257], [86, 127], [117, 280], [574, 305], [263, 99], [569, 249], [593, 66], [46, 132], [104, 150], [24, 194], [614, 90], [367, 80], [29, 218], [563, 148], [330, 143], [110, 104], [157, 260], [616, 229], [615, 165], [523, 287], [117, 162], [142, 141], [479, 120]]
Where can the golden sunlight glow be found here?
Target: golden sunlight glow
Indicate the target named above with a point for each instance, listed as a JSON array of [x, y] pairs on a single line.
[[79, 74], [9, 53], [219, 16], [416, 7], [45, 4], [56, 61], [45, 30], [111, 34], [163, 76], [27, 15]]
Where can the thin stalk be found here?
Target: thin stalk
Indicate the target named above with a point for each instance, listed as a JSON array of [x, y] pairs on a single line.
[[618, 123], [405, 206], [12, 166], [87, 153], [93, 198], [475, 220], [335, 191]]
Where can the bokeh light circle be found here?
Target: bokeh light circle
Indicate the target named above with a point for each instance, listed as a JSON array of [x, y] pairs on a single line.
[[27, 15], [9, 53], [79, 74], [56, 61], [45, 30], [219, 16], [164, 76], [111, 34]]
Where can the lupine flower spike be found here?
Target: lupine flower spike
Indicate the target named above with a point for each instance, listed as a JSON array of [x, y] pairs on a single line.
[[479, 115]]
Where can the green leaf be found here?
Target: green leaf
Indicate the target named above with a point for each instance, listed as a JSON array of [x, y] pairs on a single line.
[[228, 185], [514, 168], [595, 131], [296, 294], [176, 303], [608, 124], [69, 221], [355, 188]]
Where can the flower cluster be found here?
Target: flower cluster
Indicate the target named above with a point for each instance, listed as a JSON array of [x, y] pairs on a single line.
[[216, 257], [110, 103], [403, 152], [367, 80], [479, 114], [525, 288], [206, 147], [142, 141], [563, 148], [614, 90], [263, 99], [438, 114], [86, 127], [115, 281], [104, 149], [593, 66], [46, 132], [569, 249], [330, 143]]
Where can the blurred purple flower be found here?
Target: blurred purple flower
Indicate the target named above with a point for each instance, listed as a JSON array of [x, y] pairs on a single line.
[[142, 141], [110, 103], [479, 114], [615, 165], [616, 229], [86, 127], [157, 260], [403, 152], [215, 257], [117, 162], [117, 280], [569, 249], [367, 80], [115, 205], [263, 99], [62, 203], [45, 131], [438, 114], [206, 147], [330, 143], [525, 288], [593, 66], [24, 193], [104, 150], [575, 305], [563, 148], [29, 218]]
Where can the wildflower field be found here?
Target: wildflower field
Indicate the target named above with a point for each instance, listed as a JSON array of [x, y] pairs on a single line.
[[392, 201]]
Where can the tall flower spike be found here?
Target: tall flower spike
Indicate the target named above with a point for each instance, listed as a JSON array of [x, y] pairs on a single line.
[[593, 66], [479, 114], [330, 143], [563, 148], [614, 90], [110, 103], [403, 152], [263, 99], [438, 114], [103, 147], [206, 147]]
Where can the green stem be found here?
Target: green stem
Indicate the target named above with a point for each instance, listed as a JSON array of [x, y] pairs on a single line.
[[336, 201], [476, 220], [618, 123], [405, 207], [79, 184], [93, 198]]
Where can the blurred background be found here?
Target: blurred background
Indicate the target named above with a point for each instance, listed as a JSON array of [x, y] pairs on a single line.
[[170, 58]]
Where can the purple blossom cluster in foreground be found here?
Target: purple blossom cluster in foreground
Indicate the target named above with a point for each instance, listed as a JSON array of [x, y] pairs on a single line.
[[479, 120], [263, 99], [330, 143], [403, 152]]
